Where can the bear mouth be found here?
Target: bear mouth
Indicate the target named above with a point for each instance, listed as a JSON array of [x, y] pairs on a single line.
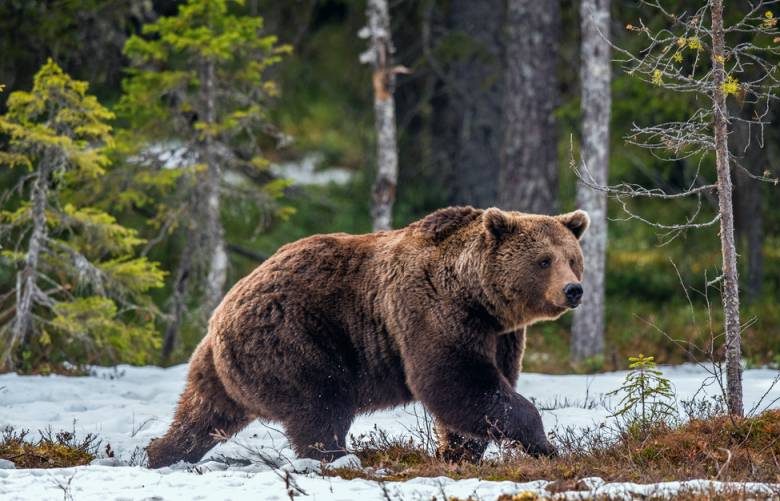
[[558, 308]]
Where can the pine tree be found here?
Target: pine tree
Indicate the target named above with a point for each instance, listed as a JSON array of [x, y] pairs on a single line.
[[197, 93], [80, 293], [647, 396]]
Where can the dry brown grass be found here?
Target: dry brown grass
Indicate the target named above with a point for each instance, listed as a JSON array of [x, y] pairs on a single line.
[[717, 448], [51, 450], [683, 494]]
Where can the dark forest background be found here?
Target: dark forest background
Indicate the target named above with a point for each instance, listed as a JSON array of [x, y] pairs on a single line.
[[449, 112]]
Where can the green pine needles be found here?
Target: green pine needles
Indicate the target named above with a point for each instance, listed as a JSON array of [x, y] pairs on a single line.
[[197, 92], [648, 396], [81, 294]]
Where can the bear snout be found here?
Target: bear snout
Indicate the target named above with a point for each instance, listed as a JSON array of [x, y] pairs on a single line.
[[573, 293]]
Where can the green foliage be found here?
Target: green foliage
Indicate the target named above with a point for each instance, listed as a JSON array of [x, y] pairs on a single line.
[[646, 394], [195, 105], [166, 79], [94, 321], [327, 100], [57, 116], [326, 106], [165, 108], [90, 291]]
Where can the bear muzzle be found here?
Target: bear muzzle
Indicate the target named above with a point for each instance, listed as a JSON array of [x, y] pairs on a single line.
[[573, 293]]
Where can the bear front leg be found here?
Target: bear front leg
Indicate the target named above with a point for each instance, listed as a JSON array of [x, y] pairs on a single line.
[[455, 448], [467, 394]]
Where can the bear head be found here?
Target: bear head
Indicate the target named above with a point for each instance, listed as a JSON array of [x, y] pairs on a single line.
[[530, 266]]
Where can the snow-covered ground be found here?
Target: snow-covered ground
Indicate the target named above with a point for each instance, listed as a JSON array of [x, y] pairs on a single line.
[[128, 406]]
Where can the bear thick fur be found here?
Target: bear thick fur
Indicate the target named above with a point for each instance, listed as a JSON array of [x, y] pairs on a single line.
[[336, 325]]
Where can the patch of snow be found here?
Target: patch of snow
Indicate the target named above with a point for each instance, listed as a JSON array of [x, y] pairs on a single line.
[[307, 171], [128, 406], [108, 462], [349, 461], [303, 465], [6, 464]]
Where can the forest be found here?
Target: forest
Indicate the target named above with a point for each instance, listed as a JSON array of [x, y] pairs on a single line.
[[154, 152], [303, 162]]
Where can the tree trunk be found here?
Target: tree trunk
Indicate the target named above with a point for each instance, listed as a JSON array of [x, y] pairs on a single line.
[[748, 205], [474, 97], [217, 276], [730, 283], [215, 233], [215, 245], [528, 178], [26, 279], [380, 55], [178, 304], [587, 336], [754, 240]]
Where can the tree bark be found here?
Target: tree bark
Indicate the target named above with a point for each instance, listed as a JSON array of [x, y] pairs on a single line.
[[26, 279], [748, 206], [730, 283], [206, 239], [380, 55], [587, 336], [754, 240], [528, 179], [473, 90], [215, 233], [178, 304]]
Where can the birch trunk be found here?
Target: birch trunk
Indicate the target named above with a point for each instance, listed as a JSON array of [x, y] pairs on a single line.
[[380, 55], [215, 233], [528, 178], [730, 283], [26, 278], [587, 336]]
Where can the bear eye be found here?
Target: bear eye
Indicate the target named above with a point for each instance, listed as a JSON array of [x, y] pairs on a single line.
[[544, 263]]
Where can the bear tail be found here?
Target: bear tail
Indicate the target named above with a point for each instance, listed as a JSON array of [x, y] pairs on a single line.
[[205, 415]]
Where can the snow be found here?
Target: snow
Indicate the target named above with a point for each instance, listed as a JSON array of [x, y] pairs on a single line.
[[308, 171], [128, 406]]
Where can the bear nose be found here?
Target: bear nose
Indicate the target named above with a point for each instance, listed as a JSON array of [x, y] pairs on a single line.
[[573, 294]]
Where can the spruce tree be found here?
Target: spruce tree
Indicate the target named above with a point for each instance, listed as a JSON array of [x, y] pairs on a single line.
[[195, 99], [81, 294]]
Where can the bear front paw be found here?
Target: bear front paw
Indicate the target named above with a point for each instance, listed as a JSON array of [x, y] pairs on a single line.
[[542, 448]]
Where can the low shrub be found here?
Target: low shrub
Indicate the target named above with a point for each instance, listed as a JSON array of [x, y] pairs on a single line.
[[716, 448], [52, 450]]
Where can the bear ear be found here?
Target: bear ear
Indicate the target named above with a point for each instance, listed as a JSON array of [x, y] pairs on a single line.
[[497, 223], [577, 221]]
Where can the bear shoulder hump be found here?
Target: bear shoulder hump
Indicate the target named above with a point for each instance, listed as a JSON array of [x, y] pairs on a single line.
[[444, 222]]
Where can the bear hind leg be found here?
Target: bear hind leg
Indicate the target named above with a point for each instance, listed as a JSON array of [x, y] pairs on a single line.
[[319, 435], [205, 415]]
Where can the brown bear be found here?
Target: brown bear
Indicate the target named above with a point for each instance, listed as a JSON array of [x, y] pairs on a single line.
[[335, 325]]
